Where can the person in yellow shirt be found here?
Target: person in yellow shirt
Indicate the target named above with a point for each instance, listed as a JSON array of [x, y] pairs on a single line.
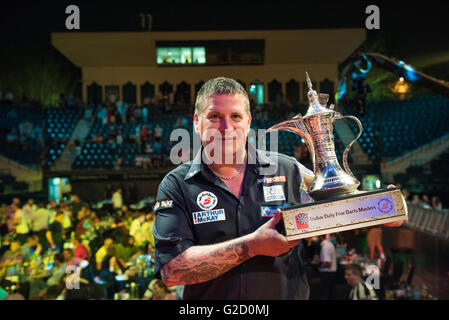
[[102, 252], [22, 225]]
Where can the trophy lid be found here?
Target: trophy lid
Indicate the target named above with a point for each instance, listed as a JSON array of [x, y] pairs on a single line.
[[317, 104]]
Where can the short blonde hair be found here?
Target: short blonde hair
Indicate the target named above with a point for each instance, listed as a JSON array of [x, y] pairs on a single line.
[[217, 86]]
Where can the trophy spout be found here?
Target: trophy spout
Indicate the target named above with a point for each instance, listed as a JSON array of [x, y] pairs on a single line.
[[297, 126]]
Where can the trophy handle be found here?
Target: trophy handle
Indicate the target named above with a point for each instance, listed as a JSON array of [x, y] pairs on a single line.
[[345, 153]]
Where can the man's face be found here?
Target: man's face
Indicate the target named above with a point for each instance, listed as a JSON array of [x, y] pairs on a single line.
[[108, 242], [351, 278], [223, 125], [15, 246], [67, 255], [32, 242]]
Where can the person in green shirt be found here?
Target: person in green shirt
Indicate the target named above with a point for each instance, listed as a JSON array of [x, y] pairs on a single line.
[[126, 249]]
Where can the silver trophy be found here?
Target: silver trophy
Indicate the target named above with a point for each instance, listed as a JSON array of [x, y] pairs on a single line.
[[316, 127], [338, 204]]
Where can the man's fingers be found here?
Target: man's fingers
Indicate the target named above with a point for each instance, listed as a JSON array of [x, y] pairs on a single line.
[[391, 186], [395, 224], [276, 218]]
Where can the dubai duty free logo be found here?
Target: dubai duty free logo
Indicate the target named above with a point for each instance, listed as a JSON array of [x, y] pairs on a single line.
[[385, 205], [302, 220]]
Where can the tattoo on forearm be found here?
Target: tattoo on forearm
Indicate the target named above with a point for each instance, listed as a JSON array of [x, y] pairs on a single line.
[[204, 263]]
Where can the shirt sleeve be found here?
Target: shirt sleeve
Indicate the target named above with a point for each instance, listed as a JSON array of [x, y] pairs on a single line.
[[172, 228]]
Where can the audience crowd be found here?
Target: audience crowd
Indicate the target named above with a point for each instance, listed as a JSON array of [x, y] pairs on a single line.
[[47, 249], [107, 252]]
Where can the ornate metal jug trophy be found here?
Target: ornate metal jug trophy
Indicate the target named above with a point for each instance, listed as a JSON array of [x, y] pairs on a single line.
[[338, 204]]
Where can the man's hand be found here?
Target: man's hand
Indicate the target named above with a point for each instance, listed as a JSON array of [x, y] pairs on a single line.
[[202, 263], [267, 241], [395, 224]]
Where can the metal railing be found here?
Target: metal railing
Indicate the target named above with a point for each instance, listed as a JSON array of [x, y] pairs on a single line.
[[431, 221]]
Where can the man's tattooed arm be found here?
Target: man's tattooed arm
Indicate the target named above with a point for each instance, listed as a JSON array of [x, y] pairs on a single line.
[[203, 263]]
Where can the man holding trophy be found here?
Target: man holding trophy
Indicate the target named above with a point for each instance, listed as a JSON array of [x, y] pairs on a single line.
[[217, 229]]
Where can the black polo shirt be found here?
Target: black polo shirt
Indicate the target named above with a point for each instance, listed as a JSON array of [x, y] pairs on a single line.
[[195, 207]]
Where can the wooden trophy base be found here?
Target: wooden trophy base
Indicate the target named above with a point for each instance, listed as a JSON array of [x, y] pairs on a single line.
[[359, 210]]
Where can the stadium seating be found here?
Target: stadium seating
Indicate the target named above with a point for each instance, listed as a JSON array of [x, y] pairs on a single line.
[[405, 125], [29, 150], [59, 125]]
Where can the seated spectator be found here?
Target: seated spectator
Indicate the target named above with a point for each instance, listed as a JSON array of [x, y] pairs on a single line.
[[126, 249], [147, 162], [143, 133], [118, 163], [360, 290], [425, 203], [101, 253], [68, 257], [80, 251], [55, 234], [39, 219], [436, 203], [139, 161], [13, 255], [157, 133], [119, 138], [157, 290], [138, 230], [117, 199], [29, 208], [110, 266], [415, 200], [98, 139], [58, 271], [84, 221], [31, 249], [22, 224], [10, 215], [67, 220]]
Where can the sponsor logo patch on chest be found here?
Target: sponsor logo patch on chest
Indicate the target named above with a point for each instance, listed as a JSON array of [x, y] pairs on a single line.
[[268, 180], [208, 216], [273, 193], [269, 211], [206, 200]]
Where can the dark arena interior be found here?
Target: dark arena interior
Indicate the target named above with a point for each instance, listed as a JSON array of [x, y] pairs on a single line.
[[91, 96]]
